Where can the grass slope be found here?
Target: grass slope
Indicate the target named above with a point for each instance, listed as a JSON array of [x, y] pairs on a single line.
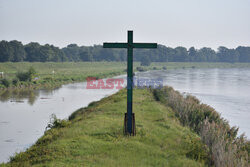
[[94, 137]]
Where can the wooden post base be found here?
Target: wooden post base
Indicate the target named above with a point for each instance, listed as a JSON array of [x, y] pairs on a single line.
[[125, 130]]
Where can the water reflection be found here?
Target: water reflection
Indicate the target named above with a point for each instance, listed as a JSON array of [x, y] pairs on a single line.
[[21, 96]]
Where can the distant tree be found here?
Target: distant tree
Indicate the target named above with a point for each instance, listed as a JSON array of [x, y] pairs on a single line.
[[146, 61], [6, 52], [85, 56], [19, 53], [32, 51], [244, 53], [106, 54], [159, 54], [72, 52], [181, 54], [228, 55], [192, 54], [207, 55], [123, 54], [222, 53], [57, 54], [63, 57], [233, 56], [170, 54], [46, 53], [12, 51], [139, 54]]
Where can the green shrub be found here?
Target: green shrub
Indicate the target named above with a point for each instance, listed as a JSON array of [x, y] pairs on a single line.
[[15, 82], [26, 76], [196, 149], [5, 82], [22, 76], [48, 79], [141, 69], [56, 123]]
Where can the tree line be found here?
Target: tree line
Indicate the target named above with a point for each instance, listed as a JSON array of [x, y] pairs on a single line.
[[15, 51]]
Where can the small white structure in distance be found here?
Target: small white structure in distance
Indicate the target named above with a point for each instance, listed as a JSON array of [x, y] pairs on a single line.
[[1, 74]]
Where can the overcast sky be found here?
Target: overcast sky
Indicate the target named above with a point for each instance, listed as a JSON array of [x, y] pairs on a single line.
[[197, 23]]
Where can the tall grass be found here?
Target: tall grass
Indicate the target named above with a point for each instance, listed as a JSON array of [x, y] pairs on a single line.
[[226, 149]]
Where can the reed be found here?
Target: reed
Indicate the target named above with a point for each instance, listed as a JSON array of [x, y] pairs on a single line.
[[226, 148]]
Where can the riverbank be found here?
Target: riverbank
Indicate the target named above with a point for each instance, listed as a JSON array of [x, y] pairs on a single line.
[[52, 75], [93, 136]]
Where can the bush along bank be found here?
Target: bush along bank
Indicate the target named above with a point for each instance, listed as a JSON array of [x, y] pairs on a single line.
[[32, 80], [226, 149]]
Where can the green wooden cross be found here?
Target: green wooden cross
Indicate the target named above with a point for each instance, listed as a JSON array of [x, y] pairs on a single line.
[[129, 45]]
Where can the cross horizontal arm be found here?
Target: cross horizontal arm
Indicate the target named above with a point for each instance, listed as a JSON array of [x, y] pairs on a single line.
[[115, 45], [145, 45]]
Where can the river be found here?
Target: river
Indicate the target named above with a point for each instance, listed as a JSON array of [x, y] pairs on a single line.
[[25, 115]]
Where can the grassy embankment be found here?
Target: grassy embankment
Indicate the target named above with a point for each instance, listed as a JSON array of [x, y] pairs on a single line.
[[167, 125], [93, 136], [75, 72]]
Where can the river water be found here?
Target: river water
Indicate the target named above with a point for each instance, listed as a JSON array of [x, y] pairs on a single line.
[[25, 115]]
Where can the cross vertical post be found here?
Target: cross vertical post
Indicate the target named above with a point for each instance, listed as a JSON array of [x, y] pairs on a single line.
[[129, 117], [130, 81]]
